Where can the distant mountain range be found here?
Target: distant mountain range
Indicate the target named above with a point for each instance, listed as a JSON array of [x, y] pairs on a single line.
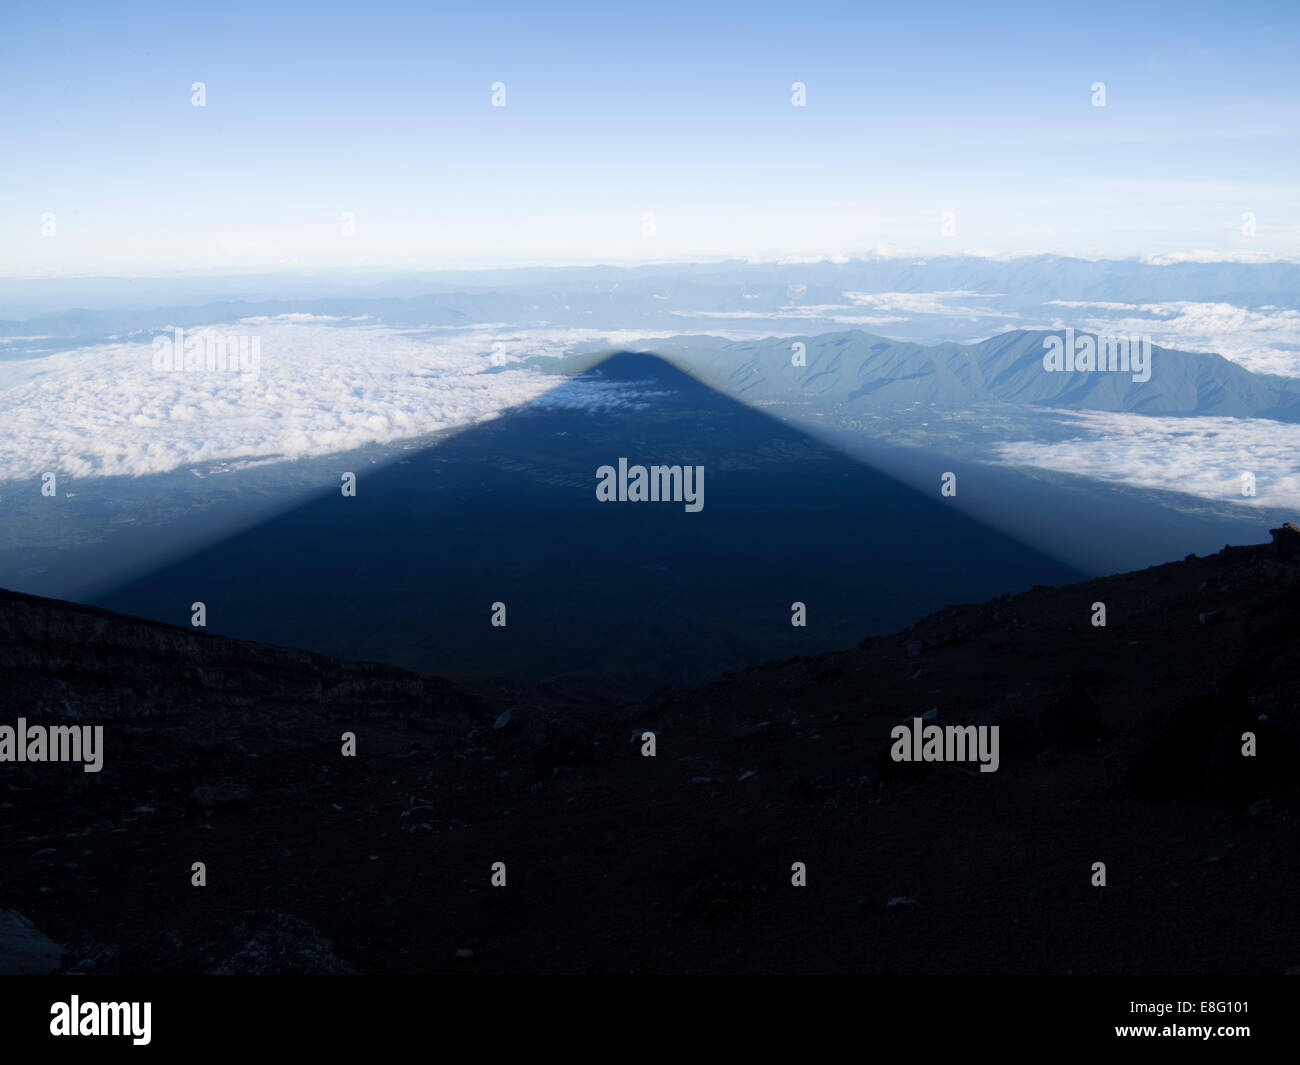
[[976, 296], [1027, 279], [857, 368]]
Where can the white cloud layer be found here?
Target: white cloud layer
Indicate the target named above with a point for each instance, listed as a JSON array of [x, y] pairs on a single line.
[[1263, 339], [955, 303], [890, 308], [104, 410], [1204, 457], [827, 312]]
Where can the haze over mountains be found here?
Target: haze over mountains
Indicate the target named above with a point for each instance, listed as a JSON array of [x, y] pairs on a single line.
[[1246, 310], [1022, 280]]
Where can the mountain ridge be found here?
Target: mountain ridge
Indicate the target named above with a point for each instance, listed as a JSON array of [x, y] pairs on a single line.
[[1119, 745], [853, 365]]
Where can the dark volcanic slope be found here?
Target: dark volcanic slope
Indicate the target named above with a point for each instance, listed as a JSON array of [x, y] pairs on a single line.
[[64, 663], [1119, 745]]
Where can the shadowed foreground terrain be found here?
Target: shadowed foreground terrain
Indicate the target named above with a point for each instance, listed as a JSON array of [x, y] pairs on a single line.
[[1118, 745]]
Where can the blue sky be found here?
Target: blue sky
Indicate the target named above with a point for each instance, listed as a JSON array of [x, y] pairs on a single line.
[[680, 111]]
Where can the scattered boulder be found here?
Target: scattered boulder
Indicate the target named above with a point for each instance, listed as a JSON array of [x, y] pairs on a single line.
[[1262, 808], [1286, 540], [24, 950], [537, 733], [559, 740], [271, 942], [89, 956], [216, 798], [516, 717]]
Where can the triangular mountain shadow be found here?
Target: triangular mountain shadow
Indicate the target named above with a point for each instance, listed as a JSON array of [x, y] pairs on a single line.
[[622, 596]]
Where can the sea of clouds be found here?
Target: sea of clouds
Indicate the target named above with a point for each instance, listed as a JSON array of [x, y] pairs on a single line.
[[323, 387], [1203, 456], [1263, 339], [327, 385]]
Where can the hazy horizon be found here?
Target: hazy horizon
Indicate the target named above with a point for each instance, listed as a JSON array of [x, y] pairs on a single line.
[[255, 138]]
